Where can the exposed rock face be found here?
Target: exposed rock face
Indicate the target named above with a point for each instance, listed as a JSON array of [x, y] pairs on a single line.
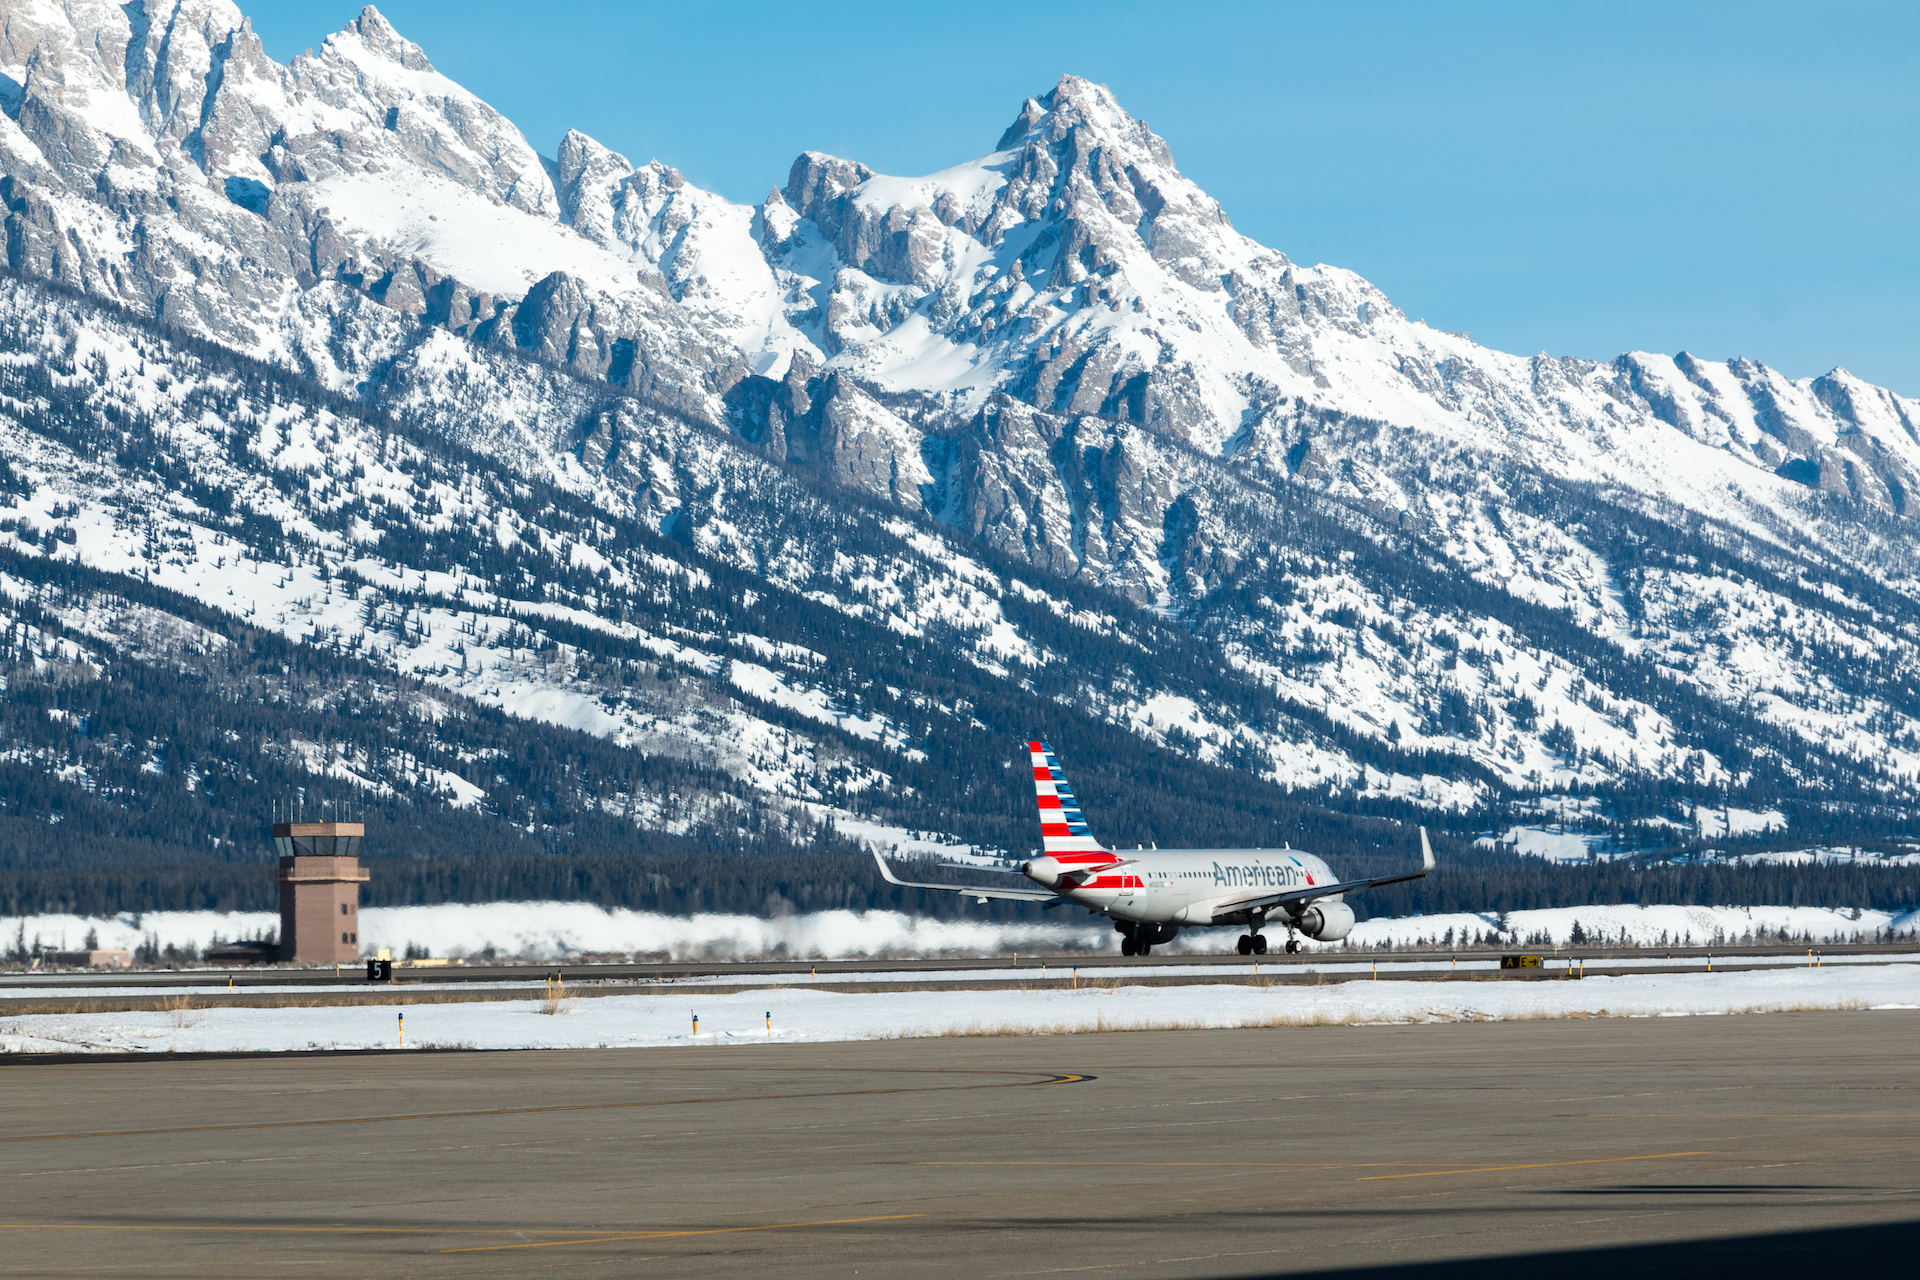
[[1026, 346], [156, 156], [1566, 573]]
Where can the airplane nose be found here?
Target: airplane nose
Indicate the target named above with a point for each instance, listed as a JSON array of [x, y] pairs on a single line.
[[1043, 871]]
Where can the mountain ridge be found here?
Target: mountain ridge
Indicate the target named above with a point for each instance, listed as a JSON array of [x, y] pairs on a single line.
[[1041, 409]]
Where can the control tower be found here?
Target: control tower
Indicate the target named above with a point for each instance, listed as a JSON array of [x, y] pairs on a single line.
[[320, 876]]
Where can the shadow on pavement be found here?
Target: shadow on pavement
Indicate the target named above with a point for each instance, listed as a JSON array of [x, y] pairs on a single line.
[[1887, 1248]]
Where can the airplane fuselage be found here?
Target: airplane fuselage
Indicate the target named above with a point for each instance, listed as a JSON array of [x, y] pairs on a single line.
[[1174, 886]]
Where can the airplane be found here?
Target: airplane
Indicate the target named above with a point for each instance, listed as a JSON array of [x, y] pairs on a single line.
[[1152, 894]]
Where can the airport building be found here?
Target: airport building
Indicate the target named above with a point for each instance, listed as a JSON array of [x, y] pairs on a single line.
[[320, 877]]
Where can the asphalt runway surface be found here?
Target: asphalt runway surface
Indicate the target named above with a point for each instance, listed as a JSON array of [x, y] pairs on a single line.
[[1683, 960], [1752, 1145]]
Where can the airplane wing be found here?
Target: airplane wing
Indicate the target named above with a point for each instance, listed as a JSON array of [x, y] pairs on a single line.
[[1257, 901], [978, 891]]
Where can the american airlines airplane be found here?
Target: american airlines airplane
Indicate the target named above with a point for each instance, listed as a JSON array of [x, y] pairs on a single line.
[[1152, 894]]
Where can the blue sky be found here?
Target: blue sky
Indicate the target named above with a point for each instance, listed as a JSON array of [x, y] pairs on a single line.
[[1583, 179]]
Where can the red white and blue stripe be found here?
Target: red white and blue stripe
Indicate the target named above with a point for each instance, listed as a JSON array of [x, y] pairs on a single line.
[[1062, 829]]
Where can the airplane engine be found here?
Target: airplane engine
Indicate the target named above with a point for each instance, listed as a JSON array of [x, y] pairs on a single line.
[[1326, 921]]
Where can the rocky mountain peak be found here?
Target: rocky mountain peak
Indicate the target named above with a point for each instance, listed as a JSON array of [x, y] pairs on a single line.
[[1077, 104], [372, 30], [1060, 350], [584, 169], [818, 184]]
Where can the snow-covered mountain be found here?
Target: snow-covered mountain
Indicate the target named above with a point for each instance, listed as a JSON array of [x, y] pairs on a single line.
[[1050, 387]]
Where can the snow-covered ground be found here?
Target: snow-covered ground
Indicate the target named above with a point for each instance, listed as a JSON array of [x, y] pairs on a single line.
[[796, 1014], [567, 930], [1650, 926]]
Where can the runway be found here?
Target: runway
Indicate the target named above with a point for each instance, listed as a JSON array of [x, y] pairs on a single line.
[[1756, 1144], [29, 992], [1681, 958]]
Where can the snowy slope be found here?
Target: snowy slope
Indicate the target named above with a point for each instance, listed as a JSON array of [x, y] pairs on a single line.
[[1420, 569]]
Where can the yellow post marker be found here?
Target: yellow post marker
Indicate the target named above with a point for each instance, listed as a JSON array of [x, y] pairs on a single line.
[[1709, 962], [1076, 977], [769, 1022], [403, 1030], [229, 982], [696, 1024], [1376, 971]]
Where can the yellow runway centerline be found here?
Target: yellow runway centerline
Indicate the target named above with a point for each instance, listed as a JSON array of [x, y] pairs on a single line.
[[1549, 1164], [1426, 1167], [343, 1231], [668, 1235], [1174, 1164], [590, 1235]]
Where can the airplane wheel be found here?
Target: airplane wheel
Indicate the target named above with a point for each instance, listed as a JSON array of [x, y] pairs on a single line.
[[1292, 946], [1146, 948], [1245, 945], [1259, 944], [1126, 946]]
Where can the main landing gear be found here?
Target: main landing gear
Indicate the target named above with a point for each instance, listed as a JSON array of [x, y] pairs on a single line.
[[1128, 947], [1253, 944]]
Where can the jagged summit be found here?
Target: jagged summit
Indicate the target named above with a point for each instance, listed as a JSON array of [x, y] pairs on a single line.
[[155, 155], [1073, 103], [378, 37]]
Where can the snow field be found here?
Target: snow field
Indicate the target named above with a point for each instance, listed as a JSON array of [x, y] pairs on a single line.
[[799, 1015], [559, 931], [586, 981]]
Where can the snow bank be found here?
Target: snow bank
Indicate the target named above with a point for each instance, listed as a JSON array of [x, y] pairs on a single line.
[[802, 1015], [1647, 926], [558, 930], [564, 930]]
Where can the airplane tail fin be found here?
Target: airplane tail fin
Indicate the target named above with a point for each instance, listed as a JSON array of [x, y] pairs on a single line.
[[1062, 829]]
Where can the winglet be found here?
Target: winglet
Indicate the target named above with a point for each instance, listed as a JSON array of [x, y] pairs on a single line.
[[886, 872], [1426, 852]]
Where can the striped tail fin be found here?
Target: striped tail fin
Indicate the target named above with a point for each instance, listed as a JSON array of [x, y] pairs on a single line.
[[1062, 829]]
